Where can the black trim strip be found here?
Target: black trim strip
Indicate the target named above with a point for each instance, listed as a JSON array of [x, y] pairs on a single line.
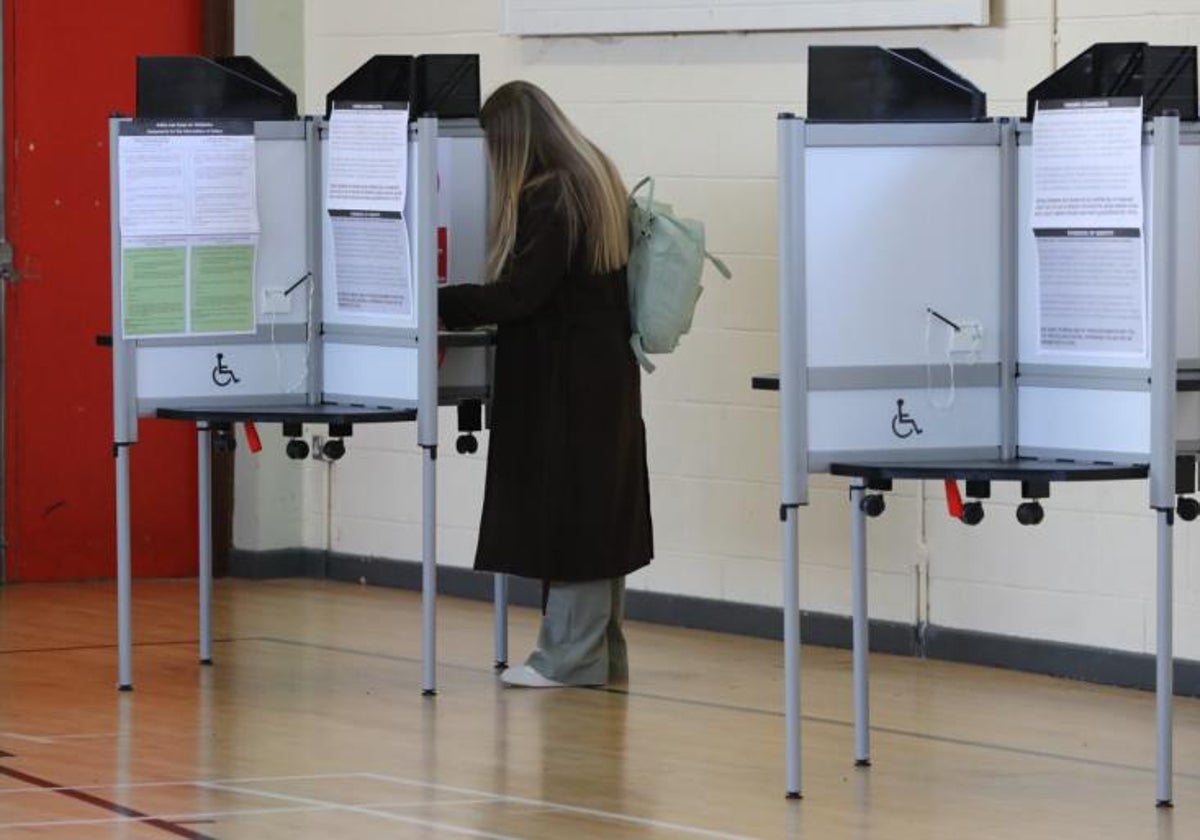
[[1080, 662]]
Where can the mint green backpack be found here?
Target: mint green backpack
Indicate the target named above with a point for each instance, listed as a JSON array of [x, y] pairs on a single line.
[[666, 259]]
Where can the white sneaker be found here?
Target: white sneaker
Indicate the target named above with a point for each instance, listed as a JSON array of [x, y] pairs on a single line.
[[525, 677]]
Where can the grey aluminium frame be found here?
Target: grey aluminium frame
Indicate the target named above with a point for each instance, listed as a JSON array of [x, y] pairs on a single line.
[[793, 366], [425, 265], [1163, 376]]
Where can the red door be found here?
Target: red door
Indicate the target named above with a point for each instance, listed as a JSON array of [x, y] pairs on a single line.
[[68, 66]]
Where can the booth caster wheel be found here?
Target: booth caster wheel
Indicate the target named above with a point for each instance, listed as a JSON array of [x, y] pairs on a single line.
[[972, 513], [1030, 513], [297, 449], [1187, 508], [334, 449], [466, 445], [872, 504]]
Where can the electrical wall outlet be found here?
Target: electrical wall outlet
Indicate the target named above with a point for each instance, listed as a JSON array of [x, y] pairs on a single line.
[[968, 338], [275, 302]]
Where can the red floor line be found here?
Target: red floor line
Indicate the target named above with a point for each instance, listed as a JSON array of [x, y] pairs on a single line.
[[108, 805]]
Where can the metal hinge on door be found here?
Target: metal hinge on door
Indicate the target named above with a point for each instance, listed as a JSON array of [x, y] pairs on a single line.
[[8, 271]]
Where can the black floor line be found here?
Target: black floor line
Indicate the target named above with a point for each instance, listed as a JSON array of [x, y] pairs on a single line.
[[73, 648], [687, 701], [752, 710]]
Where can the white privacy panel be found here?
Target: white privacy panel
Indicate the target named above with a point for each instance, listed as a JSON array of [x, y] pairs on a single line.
[[462, 181], [1187, 279], [1085, 421], [465, 368], [330, 312], [376, 376], [231, 372], [874, 420], [1187, 418], [893, 231], [462, 208], [283, 221], [1028, 351], [576, 17]]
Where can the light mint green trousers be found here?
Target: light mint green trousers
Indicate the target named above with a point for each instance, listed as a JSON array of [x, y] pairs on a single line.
[[580, 641]]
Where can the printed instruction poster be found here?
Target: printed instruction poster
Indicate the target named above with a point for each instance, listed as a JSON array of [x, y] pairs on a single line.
[[366, 190], [1087, 223], [189, 227]]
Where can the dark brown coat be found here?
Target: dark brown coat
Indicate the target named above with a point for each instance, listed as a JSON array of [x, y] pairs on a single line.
[[567, 495]]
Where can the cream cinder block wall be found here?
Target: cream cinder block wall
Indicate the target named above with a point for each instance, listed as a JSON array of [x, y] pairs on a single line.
[[697, 111], [274, 497]]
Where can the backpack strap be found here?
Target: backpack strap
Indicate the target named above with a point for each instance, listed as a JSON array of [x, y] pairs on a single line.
[[635, 341], [719, 265], [636, 187]]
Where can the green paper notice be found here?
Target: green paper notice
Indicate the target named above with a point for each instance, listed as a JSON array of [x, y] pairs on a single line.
[[153, 290], [222, 288]]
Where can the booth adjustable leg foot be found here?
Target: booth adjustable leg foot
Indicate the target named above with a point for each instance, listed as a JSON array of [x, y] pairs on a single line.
[[125, 688], [206, 662], [500, 665], [1164, 803], [862, 762], [794, 794], [429, 692]]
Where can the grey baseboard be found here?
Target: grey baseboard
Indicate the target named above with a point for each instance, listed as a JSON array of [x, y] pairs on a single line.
[[1079, 662]]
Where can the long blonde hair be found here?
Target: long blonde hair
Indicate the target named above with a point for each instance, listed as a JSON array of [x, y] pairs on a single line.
[[530, 141]]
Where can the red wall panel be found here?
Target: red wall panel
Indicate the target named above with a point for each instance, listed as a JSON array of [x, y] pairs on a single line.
[[69, 65]]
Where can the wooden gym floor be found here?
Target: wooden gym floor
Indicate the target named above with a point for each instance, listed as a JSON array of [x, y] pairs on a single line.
[[311, 724]]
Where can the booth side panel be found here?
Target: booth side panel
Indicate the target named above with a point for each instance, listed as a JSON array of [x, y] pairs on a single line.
[[1084, 405], [371, 359], [1187, 292], [462, 243], [893, 232], [903, 298], [270, 366]]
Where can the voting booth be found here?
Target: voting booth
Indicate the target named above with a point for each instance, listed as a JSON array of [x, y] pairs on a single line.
[[274, 268], [979, 300]]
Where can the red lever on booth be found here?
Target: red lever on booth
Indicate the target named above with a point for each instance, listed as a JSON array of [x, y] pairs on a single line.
[[954, 502], [252, 437]]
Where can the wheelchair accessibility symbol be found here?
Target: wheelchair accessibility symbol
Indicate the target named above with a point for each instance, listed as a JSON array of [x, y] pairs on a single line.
[[903, 425], [222, 374]]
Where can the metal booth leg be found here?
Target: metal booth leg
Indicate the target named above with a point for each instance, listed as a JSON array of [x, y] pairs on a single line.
[[791, 647], [1164, 685], [124, 574], [429, 572], [500, 620], [204, 543], [861, 641]]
